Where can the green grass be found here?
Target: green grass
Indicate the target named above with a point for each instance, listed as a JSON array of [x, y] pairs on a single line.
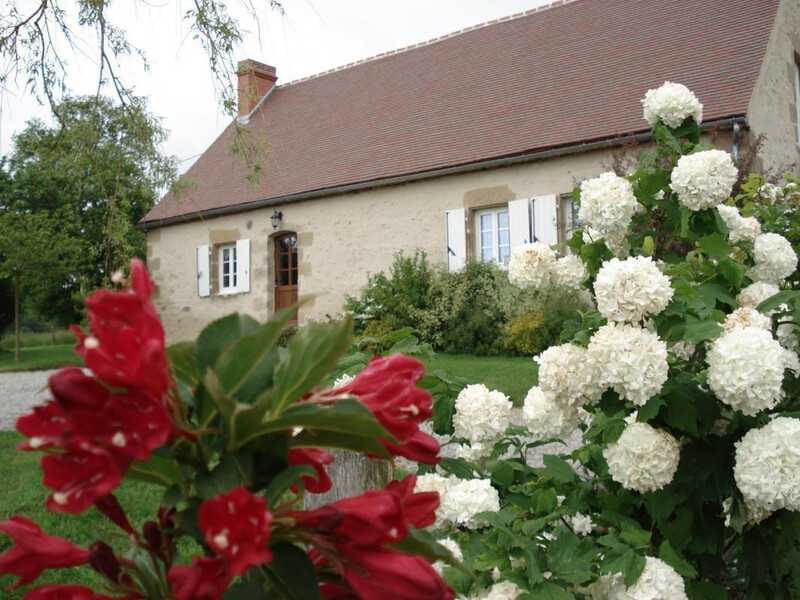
[[39, 357], [24, 494], [513, 376], [32, 340]]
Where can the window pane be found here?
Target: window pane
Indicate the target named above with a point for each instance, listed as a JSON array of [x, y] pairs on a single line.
[[293, 279], [503, 254], [503, 237], [486, 223], [502, 220], [487, 254]]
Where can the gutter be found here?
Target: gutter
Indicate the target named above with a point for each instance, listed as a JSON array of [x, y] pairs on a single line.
[[732, 122]]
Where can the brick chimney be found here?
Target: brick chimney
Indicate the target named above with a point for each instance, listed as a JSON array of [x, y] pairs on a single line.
[[255, 80]]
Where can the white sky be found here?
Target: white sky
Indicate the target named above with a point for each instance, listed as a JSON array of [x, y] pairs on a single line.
[[315, 35]]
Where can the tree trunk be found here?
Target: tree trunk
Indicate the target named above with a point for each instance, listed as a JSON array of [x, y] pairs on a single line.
[[16, 317], [352, 475]]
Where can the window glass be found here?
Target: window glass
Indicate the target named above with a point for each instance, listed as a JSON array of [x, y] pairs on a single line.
[[286, 260], [503, 238], [227, 268]]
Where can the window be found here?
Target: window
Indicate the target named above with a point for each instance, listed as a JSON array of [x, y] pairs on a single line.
[[567, 218], [492, 235], [227, 268]]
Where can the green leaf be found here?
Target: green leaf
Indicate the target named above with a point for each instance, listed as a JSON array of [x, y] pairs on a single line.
[[232, 471], [457, 466], [715, 245], [341, 441], [556, 468], [443, 410], [649, 245], [632, 532], [649, 411], [715, 292], [219, 334], [689, 129], [570, 558], [704, 590], [629, 563], [670, 556], [158, 470], [548, 591], [292, 573], [247, 364], [212, 388], [285, 479], [732, 271], [773, 302], [183, 359], [311, 355], [696, 331]]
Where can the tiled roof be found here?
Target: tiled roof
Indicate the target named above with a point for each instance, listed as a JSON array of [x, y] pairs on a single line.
[[572, 73]]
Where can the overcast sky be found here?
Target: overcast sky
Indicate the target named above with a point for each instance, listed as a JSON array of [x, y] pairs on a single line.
[[314, 35]]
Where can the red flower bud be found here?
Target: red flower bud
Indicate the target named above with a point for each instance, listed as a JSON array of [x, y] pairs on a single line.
[[420, 447], [35, 551], [317, 459], [111, 508], [419, 508], [237, 526], [152, 534], [103, 560], [205, 579]]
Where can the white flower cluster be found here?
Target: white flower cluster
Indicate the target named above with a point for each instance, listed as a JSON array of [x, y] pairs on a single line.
[[746, 317], [787, 336], [482, 415], [569, 273], [567, 372], [703, 179], [630, 359], [581, 524], [460, 499], [615, 241], [643, 459], [474, 451], [531, 266], [658, 581], [627, 290], [546, 417], [607, 206], [672, 103], [454, 549], [774, 257], [745, 229], [768, 193], [505, 590], [755, 293], [681, 349], [767, 469], [745, 369]]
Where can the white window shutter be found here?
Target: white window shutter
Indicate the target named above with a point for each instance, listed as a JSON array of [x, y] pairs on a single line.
[[243, 266], [456, 239], [519, 222], [545, 219], [203, 271]]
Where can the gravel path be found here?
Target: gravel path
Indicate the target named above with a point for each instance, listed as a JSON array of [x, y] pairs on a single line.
[[19, 392]]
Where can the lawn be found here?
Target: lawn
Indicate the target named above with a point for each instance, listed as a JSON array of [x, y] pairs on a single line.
[[513, 376], [24, 494], [39, 357]]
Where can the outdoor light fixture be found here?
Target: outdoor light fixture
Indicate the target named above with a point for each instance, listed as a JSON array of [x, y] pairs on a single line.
[[276, 218]]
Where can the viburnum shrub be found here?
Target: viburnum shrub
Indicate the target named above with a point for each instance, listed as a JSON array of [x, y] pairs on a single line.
[[235, 429], [678, 394]]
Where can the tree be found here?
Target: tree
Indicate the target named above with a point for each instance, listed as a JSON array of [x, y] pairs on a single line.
[[95, 176], [33, 250]]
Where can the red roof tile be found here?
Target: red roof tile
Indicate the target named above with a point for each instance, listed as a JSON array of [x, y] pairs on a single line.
[[568, 74]]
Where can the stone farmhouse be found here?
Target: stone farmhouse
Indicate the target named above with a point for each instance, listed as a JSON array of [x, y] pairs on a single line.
[[465, 146]]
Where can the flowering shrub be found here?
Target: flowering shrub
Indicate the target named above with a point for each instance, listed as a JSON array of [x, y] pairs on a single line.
[[234, 428], [678, 394]]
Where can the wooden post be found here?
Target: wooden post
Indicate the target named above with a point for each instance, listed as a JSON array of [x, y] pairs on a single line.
[[352, 474], [16, 317]]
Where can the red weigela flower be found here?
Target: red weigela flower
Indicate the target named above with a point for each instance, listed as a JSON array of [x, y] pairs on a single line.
[[388, 388], [79, 476], [205, 579], [317, 459], [45, 426], [381, 573], [126, 348], [420, 447], [237, 526], [419, 508], [36, 551], [372, 519], [64, 592]]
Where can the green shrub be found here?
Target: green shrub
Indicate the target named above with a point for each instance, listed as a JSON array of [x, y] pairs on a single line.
[[522, 334], [35, 340]]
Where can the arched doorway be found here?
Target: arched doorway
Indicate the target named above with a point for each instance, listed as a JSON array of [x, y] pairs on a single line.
[[286, 272]]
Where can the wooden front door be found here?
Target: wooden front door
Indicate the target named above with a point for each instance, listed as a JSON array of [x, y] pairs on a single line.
[[286, 272]]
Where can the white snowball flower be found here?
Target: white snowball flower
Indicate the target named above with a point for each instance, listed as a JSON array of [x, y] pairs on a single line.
[[467, 497], [626, 290], [672, 103], [775, 258], [746, 317], [582, 524], [569, 273], [607, 204], [787, 336], [755, 293], [531, 266], [481, 415], [548, 418], [631, 360], [703, 179], [454, 549], [767, 469], [768, 193], [643, 459], [504, 590], [433, 482], [741, 228], [681, 349], [615, 241], [567, 372], [474, 452], [658, 581], [746, 368]]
